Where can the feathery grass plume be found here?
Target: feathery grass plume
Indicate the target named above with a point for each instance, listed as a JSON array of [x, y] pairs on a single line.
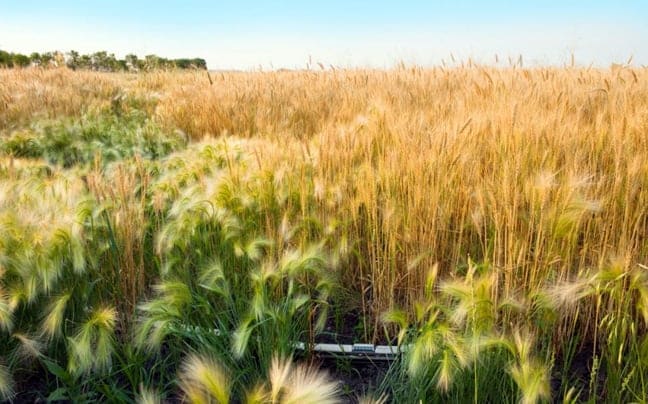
[[262, 280], [523, 345], [91, 348], [399, 318], [382, 399], [53, 322], [148, 396], [425, 348], [431, 281], [176, 295], [6, 312], [213, 278], [28, 348], [473, 299], [571, 396], [530, 375], [151, 331], [532, 379], [442, 351], [257, 395], [241, 337], [203, 380], [541, 310], [569, 294], [255, 249], [157, 315], [278, 377], [6, 383], [447, 371], [290, 384], [296, 262]]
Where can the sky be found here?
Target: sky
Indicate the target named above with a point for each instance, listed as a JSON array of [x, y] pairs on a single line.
[[268, 35]]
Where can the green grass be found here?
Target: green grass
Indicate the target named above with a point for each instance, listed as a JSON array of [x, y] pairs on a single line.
[[103, 136], [220, 285]]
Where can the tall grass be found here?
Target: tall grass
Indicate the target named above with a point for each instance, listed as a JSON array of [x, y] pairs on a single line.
[[539, 172], [524, 190]]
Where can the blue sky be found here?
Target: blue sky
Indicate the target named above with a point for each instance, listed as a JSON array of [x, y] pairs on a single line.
[[252, 34]]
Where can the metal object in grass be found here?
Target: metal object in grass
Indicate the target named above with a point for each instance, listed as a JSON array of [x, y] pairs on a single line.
[[349, 351], [354, 351]]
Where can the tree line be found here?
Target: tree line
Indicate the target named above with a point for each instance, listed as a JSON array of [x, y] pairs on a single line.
[[99, 61]]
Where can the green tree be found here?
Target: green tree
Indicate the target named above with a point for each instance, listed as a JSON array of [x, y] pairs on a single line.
[[46, 58], [85, 62], [151, 62], [98, 60], [72, 59], [5, 59], [20, 60], [35, 58], [101, 60], [132, 62], [199, 63]]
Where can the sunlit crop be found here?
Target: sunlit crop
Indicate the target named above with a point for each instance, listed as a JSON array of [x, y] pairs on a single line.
[[169, 235]]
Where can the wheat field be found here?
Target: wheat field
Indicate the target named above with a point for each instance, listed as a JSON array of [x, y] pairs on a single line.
[[501, 212]]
